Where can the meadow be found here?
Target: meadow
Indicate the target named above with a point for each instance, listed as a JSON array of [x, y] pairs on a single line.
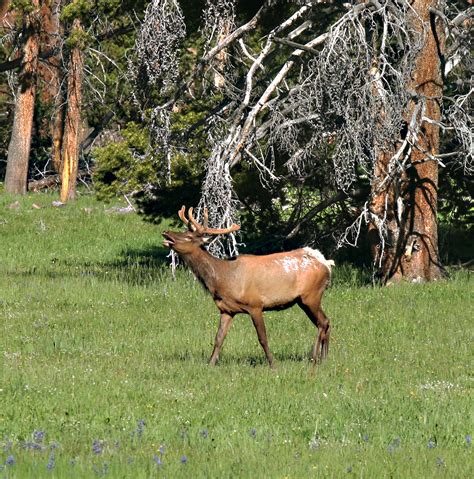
[[104, 366]]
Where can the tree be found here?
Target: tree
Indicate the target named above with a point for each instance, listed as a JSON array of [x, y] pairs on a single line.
[[51, 73], [363, 92], [70, 143], [20, 142], [409, 201]]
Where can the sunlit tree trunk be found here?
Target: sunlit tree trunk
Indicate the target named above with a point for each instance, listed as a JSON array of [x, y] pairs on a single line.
[[410, 205], [72, 123], [20, 142]]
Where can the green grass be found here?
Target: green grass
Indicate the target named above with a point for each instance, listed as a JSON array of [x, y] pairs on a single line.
[[96, 336]]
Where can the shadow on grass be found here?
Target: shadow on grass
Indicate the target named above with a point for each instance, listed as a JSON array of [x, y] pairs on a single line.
[[136, 267], [229, 359]]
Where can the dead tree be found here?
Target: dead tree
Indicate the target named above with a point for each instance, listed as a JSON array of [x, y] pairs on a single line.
[[370, 88], [72, 122]]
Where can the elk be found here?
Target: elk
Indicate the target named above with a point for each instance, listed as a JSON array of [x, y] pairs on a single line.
[[253, 284]]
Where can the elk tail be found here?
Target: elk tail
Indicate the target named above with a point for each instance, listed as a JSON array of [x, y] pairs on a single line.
[[329, 263]]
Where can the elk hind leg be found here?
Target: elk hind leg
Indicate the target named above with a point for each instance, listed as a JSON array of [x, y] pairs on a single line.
[[324, 327], [315, 313]]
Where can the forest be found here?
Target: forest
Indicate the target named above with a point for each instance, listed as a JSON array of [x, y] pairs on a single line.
[[344, 126]]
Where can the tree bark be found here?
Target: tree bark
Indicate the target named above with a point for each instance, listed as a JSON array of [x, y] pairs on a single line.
[[72, 124], [4, 4], [51, 72], [20, 142], [410, 204]]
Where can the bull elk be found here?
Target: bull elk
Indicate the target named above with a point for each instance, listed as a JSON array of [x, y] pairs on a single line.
[[253, 284]]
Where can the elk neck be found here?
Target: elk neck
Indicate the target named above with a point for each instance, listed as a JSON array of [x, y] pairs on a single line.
[[207, 269]]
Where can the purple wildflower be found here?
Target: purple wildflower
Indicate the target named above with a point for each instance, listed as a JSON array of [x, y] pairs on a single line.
[[184, 459], [38, 436], [158, 460], [253, 432], [32, 445], [140, 427], [10, 461], [204, 433], [349, 469], [162, 449], [468, 440], [395, 443], [97, 447], [51, 462], [431, 444], [365, 437]]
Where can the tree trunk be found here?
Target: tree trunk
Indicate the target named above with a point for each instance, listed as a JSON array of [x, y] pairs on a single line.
[[4, 4], [71, 143], [410, 204], [20, 142], [52, 94]]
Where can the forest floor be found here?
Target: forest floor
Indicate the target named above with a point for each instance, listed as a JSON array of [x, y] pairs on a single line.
[[105, 366]]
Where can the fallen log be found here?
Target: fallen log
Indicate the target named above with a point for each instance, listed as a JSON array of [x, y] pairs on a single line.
[[52, 181]]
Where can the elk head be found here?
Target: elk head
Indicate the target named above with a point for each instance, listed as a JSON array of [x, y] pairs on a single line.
[[196, 236]]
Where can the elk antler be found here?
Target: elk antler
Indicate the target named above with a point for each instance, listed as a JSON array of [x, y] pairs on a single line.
[[184, 219], [218, 231], [196, 225], [193, 225]]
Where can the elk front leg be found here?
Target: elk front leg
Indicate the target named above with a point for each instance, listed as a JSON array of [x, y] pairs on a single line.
[[257, 318], [224, 325]]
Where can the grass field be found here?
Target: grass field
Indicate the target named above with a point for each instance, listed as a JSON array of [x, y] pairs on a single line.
[[104, 366]]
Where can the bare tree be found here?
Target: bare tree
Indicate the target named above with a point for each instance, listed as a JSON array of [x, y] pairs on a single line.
[[369, 89], [20, 142]]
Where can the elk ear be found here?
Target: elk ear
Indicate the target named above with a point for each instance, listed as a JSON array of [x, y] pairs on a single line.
[[206, 238]]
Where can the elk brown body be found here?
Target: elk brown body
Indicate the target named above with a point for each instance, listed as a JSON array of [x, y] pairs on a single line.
[[253, 284]]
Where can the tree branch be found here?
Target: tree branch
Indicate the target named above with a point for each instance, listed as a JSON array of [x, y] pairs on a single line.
[[339, 196], [299, 46], [96, 131]]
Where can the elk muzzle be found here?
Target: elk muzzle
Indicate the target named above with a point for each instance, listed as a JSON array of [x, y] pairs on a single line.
[[169, 239]]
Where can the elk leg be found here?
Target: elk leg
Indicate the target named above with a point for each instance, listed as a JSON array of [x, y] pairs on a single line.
[[321, 321], [324, 333], [257, 318], [224, 325]]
